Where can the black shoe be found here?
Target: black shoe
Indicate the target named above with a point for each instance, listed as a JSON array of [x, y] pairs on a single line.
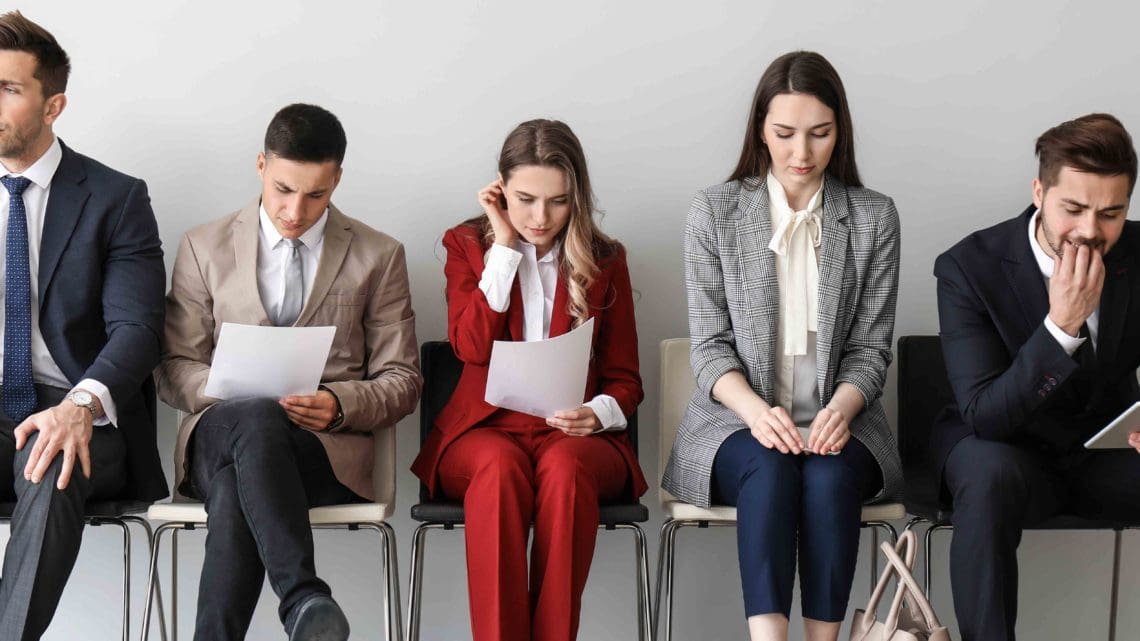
[[318, 618]]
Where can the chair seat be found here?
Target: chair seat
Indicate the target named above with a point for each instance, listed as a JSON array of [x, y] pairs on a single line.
[[681, 511], [452, 513], [93, 509], [191, 512]]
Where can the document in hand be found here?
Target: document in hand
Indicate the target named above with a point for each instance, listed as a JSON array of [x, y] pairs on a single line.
[[251, 360], [540, 377], [1115, 435]]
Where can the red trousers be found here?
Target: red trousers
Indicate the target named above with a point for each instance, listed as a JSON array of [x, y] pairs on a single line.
[[509, 475]]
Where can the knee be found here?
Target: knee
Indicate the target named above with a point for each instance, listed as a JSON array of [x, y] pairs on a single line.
[[830, 480], [259, 418], [991, 487], [560, 470]]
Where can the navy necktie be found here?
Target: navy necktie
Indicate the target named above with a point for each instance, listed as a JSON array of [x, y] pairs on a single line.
[[19, 390]]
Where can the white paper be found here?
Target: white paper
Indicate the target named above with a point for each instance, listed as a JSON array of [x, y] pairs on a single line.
[[541, 377], [252, 360]]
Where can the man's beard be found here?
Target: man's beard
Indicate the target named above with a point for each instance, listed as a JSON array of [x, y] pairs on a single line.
[[14, 143]]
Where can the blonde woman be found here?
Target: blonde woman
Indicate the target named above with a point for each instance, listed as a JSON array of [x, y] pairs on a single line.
[[532, 266]]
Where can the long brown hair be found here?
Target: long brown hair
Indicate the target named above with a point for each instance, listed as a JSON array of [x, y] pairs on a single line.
[[803, 72], [551, 143]]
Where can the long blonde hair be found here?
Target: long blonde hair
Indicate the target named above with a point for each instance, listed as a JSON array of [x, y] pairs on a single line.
[[551, 143]]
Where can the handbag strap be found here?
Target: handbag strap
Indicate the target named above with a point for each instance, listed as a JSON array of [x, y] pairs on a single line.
[[908, 590]]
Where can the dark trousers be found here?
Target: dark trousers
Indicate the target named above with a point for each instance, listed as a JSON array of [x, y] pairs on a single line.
[[998, 489], [47, 524], [786, 502], [258, 474]]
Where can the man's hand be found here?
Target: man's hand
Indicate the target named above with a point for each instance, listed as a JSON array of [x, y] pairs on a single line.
[[1074, 289], [314, 412], [578, 422], [64, 428], [1134, 440]]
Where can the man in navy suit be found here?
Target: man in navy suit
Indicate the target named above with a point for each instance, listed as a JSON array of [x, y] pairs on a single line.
[[82, 325], [1039, 318]]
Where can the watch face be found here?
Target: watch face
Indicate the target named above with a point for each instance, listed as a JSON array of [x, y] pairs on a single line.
[[81, 398]]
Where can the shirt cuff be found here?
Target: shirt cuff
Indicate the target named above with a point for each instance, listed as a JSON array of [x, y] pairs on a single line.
[[608, 412], [500, 265], [1068, 343], [110, 414]]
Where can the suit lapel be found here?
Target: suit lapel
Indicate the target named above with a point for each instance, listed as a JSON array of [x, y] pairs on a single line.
[[758, 278], [1114, 303], [334, 248], [560, 315], [246, 236], [65, 204], [832, 265], [1024, 275]]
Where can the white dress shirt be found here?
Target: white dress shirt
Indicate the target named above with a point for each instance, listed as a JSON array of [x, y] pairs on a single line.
[[795, 237], [273, 260], [538, 280], [1045, 264], [45, 371]]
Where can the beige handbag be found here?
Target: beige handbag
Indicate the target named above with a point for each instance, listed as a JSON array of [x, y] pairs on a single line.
[[910, 618]]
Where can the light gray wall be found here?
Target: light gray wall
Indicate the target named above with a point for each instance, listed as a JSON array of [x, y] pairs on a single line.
[[947, 100]]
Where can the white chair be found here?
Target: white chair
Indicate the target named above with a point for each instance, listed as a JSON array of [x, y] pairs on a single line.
[[677, 386], [188, 515]]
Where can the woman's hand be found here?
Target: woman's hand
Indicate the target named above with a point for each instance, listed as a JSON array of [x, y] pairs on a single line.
[[829, 432], [774, 429], [579, 422], [491, 198]]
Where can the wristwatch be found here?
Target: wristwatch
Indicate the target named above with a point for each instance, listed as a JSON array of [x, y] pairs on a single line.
[[84, 399]]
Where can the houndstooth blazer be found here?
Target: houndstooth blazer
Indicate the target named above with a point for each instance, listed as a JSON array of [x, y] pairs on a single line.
[[730, 278]]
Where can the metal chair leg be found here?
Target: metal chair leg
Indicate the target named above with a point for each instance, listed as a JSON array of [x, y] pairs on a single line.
[[644, 609], [152, 575], [392, 604], [1117, 539], [929, 553], [669, 542], [660, 570], [149, 538], [891, 533], [416, 579], [174, 585]]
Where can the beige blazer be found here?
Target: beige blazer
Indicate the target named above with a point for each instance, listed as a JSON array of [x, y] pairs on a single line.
[[361, 288]]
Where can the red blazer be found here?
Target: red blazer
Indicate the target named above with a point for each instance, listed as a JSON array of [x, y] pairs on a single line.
[[472, 327]]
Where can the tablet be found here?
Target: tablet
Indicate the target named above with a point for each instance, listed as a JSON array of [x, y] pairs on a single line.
[[1115, 436]]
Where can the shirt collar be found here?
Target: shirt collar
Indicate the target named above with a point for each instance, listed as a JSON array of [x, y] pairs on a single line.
[[1044, 263], [311, 238], [42, 171], [524, 247], [779, 198]]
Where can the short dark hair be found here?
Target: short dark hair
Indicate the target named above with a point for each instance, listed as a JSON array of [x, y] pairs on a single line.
[[1096, 144], [17, 33], [804, 72], [305, 133]]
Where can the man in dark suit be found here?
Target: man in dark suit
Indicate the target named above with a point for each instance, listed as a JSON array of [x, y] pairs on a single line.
[[1038, 323], [82, 325]]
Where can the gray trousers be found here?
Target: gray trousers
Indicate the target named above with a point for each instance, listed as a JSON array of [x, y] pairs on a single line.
[[47, 524]]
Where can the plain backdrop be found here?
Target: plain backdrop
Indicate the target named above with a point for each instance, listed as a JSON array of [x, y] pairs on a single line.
[[947, 99]]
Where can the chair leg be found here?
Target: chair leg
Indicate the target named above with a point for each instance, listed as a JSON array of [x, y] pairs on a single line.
[[152, 575], [928, 581], [416, 579], [644, 608], [891, 533], [392, 626], [174, 585], [665, 600], [1117, 537], [149, 538]]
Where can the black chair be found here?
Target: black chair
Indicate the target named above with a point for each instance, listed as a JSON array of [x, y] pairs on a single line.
[[120, 513], [441, 370], [924, 390]]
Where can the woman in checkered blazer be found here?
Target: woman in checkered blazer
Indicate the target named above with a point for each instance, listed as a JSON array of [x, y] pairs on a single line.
[[791, 269]]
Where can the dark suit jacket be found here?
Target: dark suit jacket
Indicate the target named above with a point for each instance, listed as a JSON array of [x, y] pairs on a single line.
[[1011, 379], [101, 281], [472, 328]]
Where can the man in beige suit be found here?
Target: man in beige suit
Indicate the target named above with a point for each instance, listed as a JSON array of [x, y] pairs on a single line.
[[287, 258]]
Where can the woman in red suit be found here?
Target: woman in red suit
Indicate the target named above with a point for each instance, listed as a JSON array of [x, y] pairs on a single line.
[[533, 266]]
